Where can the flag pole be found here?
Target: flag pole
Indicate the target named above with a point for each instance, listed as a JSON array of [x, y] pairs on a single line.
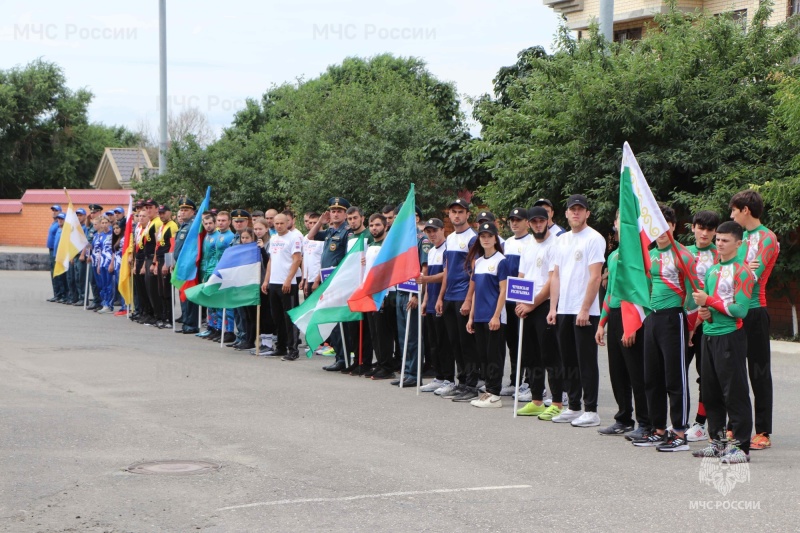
[[419, 341], [258, 326], [172, 296], [405, 348], [344, 346], [222, 331], [86, 289], [199, 316], [519, 364]]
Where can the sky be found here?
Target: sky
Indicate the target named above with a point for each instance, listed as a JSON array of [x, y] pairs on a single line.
[[220, 53]]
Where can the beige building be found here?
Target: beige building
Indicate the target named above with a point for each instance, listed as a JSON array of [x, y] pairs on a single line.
[[631, 17]]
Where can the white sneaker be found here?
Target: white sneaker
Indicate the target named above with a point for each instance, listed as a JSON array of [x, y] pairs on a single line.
[[432, 385], [105, 310], [696, 433], [487, 399], [587, 420], [446, 387], [548, 398], [525, 394], [567, 415], [509, 390]]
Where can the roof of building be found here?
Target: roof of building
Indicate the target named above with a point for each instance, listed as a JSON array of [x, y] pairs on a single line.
[[10, 207], [79, 197], [118, 165]]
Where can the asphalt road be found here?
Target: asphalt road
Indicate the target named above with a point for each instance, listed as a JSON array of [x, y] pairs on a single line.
[[83, 396]]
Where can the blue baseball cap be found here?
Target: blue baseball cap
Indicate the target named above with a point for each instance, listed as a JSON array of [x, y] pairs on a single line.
[[62, 216], [56, 208], [108, 214], [119, 210], [80, 211]]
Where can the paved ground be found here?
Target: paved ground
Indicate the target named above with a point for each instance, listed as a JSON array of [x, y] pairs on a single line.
[[83, 395]]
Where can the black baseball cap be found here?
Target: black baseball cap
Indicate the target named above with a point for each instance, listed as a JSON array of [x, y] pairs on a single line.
[[163, 208], [543, 201], [460, 202], [578, 199], [518, 212], [149, 202], [486, 215], [537, 211], [434, 223], [487, 227]]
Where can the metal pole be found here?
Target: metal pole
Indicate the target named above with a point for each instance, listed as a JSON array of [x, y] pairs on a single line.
[[419, 343], [519, 363], [344, 346], [172, 295], [199, 316], [405, 348], [607, 19], [86, 290], [162, 78], [222, 332]]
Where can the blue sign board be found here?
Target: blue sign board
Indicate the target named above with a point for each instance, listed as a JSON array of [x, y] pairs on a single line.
[[408, 286], [519, 290], [325, 272]]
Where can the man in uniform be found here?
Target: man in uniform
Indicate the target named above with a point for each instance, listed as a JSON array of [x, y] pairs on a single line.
[[186, 212], [165, 237], [241, 219], [223, 237], [77, 271], [52, 245], [335, 248], [359, 340], [149, 244], [95, 211]]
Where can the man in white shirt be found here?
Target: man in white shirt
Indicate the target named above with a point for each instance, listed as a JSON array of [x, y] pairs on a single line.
[[539, 344], [575, 309], [285, 250], [312, 254]]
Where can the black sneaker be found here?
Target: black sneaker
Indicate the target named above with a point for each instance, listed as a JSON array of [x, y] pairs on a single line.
[[383, 374], [370, 372], [637, 433], [650, 438], [469, 394], [290, 357], [618, 428], [674, 443], [457, 390]]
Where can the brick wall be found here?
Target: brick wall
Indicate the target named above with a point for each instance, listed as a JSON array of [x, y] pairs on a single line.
[[28, 228]]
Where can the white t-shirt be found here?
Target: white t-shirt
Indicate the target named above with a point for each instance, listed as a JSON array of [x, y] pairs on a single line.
[[312, 258], [281, 250], [537, 262], [574, 253]]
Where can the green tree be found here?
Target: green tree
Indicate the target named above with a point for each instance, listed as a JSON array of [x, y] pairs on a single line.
[[364, 130], [694, 98], [46, 140]]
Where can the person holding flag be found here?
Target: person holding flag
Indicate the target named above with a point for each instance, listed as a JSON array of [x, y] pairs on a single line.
[[124, 281], [165, 238], [185, 274], [625, 360], [186, 213], [70, 241]]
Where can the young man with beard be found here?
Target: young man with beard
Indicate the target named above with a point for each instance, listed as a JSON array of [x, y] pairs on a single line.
[[666, 339], [575, 310], [513, 249], [359, 341], [625, 360], [379, 320], [280, 282], [454, 306], [312, 254], [540, 345], [758, 252]]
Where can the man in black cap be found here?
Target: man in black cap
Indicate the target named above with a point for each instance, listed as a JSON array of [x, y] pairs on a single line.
[[153, 226], [514, 248], [334, 250], [187, 210], [454, 305], [241, 219], [575, 310], [165, 237], [554, 228], [77, 273]]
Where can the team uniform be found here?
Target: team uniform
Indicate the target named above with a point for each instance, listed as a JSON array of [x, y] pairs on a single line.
[[456, 288], [759, 244], [487, 275], [334, 249], [539, 342], [165, 236], [574, 254], [379, 325], [150, 243], [282, 252], [513, 250], [402, 298], [102, 257], [625, 364], [440, 354], [666, 340], [725, 390]]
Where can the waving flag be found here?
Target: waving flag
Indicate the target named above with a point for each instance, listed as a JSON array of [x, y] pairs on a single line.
[[185, 273], [236, 281], [397, 262], [640, 223], [318, 314], [124, 285], [73, 240]]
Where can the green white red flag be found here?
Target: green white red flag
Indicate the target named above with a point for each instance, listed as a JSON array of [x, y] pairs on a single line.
[[640, 223]]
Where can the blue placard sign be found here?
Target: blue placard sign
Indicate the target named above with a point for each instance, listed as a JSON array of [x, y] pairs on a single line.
[[408, 286], [519, 290], [325, 272]]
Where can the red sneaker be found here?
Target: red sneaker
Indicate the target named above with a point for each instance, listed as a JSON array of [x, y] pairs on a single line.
[[760, 442], [121, 313]]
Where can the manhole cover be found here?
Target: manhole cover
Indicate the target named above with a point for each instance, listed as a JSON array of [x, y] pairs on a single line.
[[174, 467]]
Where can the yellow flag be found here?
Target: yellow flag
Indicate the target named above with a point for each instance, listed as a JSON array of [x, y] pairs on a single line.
[[72, 241], [124, 284]]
